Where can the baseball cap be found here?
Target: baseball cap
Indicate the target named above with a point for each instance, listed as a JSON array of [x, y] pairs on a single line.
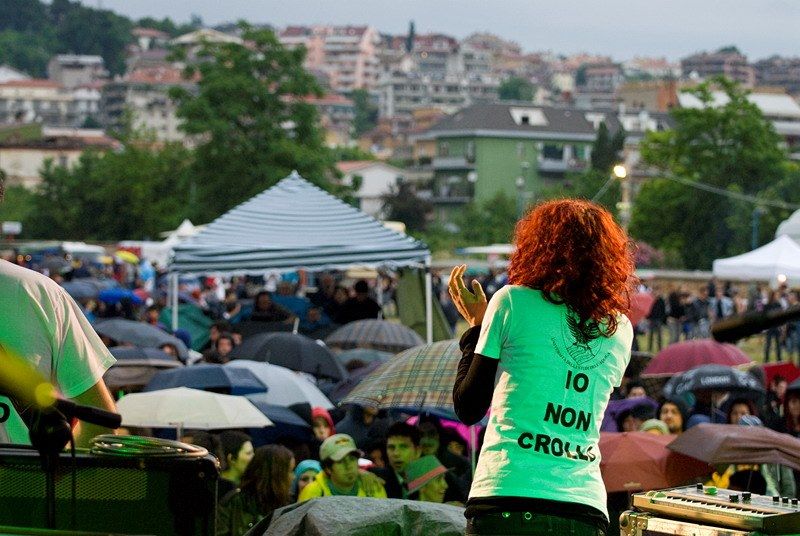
[[337, 446]]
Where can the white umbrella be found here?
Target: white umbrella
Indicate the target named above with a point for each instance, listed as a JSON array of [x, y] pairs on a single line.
[[284, 387], [189, 408]]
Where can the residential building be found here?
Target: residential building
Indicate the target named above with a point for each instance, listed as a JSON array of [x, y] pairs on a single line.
[[376, 181], [653, 95], [310, 37], [9, 74], [142, 95], [23, 156], [597, 84], [779, 72], [336, 117], [729, 63], [73, 70], [401, 93], [351, 52], [645, 68], [150, 38], [509, 148], [47, 102]]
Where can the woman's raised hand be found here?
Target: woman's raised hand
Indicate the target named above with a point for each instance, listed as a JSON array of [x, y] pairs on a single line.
[[471, 305]]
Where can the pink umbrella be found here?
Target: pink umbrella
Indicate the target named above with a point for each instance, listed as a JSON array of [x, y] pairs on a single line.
[[686, 355], [641, 303]]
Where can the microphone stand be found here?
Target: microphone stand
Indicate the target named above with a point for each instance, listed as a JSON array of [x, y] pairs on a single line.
[[50, 431]]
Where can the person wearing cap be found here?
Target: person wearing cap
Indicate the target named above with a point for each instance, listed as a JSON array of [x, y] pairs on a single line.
[[425, 479], [340, 474], [654, 426]]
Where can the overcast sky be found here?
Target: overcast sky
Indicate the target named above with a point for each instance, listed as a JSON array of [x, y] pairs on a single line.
[[620, 28]]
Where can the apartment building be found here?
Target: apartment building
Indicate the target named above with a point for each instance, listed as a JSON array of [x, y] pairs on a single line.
[[780, 72], [401, 93], [143, 94], [73, 70], [729, 63], [48, 102]]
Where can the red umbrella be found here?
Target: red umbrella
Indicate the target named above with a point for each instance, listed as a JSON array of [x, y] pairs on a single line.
[[786, 369], [633, 461], [686, 355], [641, 303]]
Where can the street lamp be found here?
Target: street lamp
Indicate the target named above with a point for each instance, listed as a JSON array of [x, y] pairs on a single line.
[[623, 206]]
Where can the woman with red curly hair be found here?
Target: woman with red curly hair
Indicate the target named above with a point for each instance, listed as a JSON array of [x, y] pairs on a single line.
[[559, 335]]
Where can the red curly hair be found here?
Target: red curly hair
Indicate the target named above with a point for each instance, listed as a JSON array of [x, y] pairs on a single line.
[[574, 252]]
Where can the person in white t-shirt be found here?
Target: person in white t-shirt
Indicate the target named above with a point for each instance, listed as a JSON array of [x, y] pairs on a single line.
[[42, 324], [561, 341]]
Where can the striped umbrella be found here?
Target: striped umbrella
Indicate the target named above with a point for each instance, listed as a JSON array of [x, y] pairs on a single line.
[[375, 334], [419, 379]]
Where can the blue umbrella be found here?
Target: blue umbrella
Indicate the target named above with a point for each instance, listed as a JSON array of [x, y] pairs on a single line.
[[208, 377], [116, 295], [286, 421], [81, 289]]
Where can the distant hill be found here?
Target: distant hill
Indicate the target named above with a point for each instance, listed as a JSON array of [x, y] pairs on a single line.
[[32, 31]]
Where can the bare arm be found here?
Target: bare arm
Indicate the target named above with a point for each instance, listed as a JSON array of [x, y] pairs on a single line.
[[98, 397]]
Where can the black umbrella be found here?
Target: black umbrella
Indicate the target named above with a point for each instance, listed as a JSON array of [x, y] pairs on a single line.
[[140, 334], [293, 351], [343, 388], [81, 289], [713, 378], [135, 367], [208, 377]]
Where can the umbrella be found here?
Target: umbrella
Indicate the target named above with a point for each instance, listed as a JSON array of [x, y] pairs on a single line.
[[81, 289], [366, 355], [712, 378], [343, 388], [286, 421], [365, 516], [420, 379], [291, 350], [189, 408], [116, 295], [127, 256], [617, 407], [686, 355], [788, 371], [284, 386], [632, 461], [209, 377], [375, 334], [135, 367], [733, 443], [641, 303], [139, 334]]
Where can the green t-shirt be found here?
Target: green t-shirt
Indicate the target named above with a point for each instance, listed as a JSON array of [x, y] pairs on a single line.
[[543, 433]]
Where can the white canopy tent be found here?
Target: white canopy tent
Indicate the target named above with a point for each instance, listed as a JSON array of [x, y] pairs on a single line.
[[790, 227], [297, 225], [772, 262]]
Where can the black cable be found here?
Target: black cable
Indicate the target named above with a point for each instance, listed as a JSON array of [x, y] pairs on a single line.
[[146, 447]]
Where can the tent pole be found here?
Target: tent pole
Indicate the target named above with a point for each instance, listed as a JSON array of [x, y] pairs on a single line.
[[173, 295], [428, 301], [473, 440]]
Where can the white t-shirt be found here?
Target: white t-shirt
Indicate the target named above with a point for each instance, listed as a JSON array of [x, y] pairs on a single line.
[[41, 323], [543, 433]]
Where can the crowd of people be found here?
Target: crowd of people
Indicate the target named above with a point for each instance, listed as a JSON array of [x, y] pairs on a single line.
[[680, 312]]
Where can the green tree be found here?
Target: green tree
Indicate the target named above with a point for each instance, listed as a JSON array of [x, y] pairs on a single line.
[[18, 206], [516, 89], [27, 52], [366, 112], [490, 222], [607, 150], [134, 193], [729, 147], [403, 204], [253, 126], [82, 30]]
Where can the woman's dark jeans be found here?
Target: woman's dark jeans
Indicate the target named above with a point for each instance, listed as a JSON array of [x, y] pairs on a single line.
[[524, 523]]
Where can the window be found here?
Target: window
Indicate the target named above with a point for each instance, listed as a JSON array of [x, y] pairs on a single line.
[[444, 149], [553, 152], [470, 151], [62, 160], [520, 149]]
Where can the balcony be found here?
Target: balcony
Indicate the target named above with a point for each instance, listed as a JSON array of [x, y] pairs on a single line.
[[452, 162], [551, 165]]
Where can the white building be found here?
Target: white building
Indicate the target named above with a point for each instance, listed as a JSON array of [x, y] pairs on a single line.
[[47, 102], [73, 70], [377, 180], [401, 93]]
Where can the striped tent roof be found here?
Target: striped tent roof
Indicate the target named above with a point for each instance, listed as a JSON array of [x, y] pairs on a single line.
[[294, 225]]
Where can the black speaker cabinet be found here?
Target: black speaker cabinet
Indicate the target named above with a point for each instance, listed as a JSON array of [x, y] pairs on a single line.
[[126, 495]]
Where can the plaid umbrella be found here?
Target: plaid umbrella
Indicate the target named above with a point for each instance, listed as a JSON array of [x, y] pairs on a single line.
[[375, 334], [419, 379]]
